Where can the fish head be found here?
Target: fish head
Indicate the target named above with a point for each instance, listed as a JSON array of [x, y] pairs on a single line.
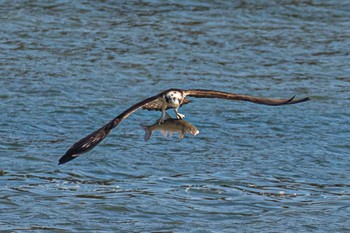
[[192, 129]]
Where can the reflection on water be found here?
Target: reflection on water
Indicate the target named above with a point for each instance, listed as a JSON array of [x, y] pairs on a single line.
[[69, 68]]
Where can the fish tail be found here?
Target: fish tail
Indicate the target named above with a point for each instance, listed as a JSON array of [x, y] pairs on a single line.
[[148, 133]]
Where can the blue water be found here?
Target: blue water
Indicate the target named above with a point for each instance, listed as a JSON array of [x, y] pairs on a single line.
[[68, 68]]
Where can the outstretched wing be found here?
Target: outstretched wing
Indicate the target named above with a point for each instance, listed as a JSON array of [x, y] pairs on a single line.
[[200, 93], [157, 104], [90, 141]]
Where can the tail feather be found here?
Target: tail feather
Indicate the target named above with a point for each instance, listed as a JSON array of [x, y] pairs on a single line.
[[148, 133]]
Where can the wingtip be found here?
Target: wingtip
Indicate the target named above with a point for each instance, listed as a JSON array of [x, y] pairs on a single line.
[[303, 100], [291, 99], [62, 160], [66, 158], [295, 101]]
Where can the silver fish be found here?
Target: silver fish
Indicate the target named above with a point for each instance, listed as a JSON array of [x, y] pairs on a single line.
[[170, 126]]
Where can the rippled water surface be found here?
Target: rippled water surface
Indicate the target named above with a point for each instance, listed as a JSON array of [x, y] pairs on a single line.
[[67, 68]]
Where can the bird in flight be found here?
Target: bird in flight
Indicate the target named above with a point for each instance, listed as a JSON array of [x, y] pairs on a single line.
[[171, 98]]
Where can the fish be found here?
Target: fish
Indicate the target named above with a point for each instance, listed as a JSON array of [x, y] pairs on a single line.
[[169, 127]]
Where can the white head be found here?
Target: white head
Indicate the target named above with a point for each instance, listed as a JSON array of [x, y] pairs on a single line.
[[173, 98]]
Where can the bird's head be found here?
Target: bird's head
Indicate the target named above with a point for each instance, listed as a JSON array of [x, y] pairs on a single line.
[[173, 98]]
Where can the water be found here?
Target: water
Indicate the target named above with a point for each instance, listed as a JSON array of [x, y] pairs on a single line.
[[68, 68]]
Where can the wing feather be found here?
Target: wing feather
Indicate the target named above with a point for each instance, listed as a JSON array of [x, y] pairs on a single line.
[[200, 93], [90, 141]]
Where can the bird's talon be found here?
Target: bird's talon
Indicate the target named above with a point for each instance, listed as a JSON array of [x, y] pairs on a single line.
[[160, 121], [180, 116]]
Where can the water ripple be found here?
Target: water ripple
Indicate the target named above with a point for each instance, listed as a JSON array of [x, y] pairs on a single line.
[[68, 68]]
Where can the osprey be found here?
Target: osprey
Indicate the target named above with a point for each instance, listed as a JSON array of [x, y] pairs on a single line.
[[171, 98]]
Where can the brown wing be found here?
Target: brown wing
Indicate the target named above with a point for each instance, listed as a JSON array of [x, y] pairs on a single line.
[[199, 93], [90, 141], [157, 104]]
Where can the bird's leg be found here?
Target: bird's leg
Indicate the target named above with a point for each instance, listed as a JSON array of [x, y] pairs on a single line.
[[178, 115], [162, 117]]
